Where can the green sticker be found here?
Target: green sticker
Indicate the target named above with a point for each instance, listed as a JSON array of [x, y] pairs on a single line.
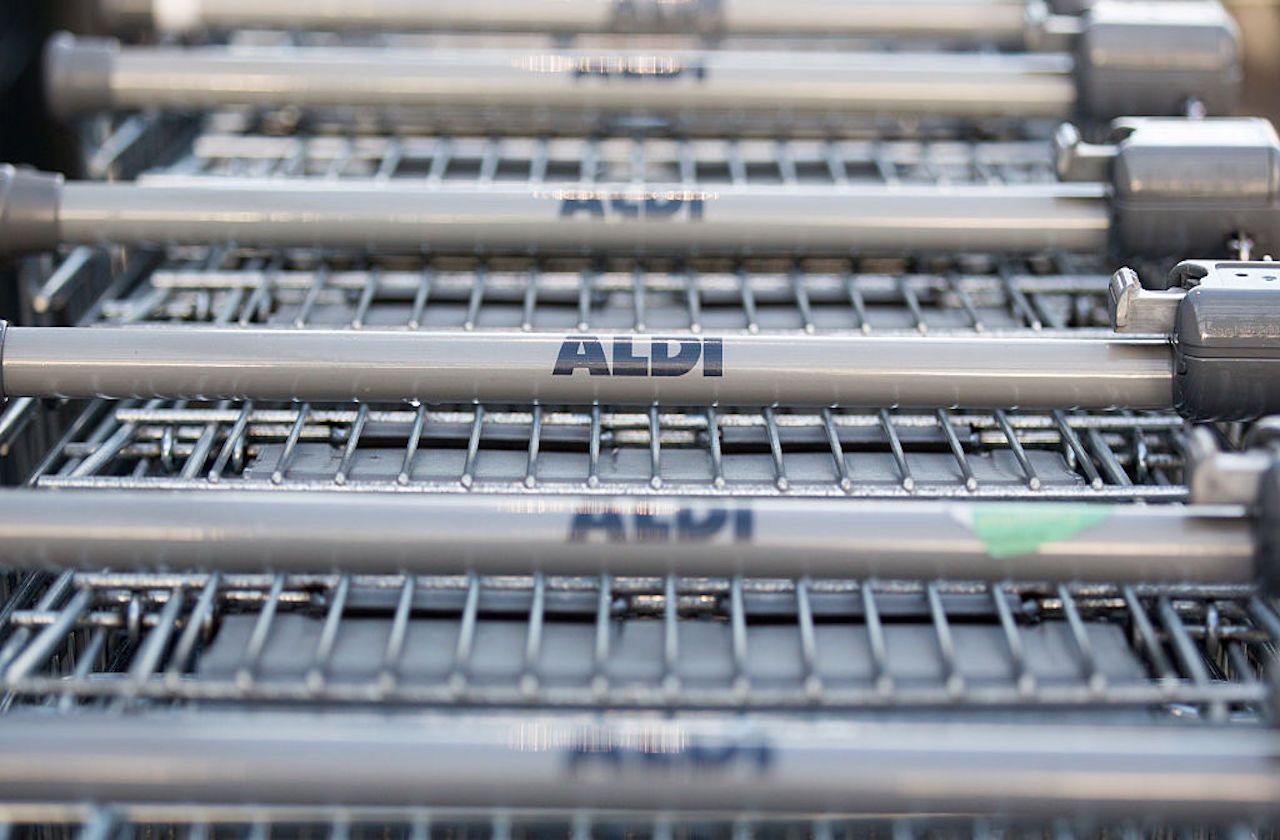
[[1011, 530]]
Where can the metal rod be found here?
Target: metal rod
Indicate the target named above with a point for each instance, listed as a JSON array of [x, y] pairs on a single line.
[[63, 282], [244, 530], [186, 362], [643, 763], [91, 75], [661, 218], [1001, 21]]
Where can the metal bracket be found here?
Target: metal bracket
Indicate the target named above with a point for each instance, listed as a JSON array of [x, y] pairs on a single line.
[[1076, 160], [1249, 478], [1215, 477], [1048, 31], [1137, 310]]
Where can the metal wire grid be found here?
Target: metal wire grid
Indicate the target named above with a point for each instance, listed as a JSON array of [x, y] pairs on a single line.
[[1006, 293], [105, 638], [541, 448], [58, 292], [100, 638], [120, 821], [1053, 290], [239, 287], [354, 143], [284, 143], [766, 451], [118, 147], [505, 449], [220, 151], [859, 294]]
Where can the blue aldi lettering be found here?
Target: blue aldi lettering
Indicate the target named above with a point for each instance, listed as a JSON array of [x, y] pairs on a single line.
[[719, 754], [640, 69], [620, 206], [666, 356], [686, 525]]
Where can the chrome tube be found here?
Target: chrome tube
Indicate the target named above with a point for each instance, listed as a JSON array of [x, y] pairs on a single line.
[[645, 763], [231, 530], [655, 218], [190, 362], [682, 86], [1001, 21]]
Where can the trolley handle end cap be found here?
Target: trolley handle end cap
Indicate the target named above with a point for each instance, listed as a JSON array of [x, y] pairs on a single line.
[[77, 73], [29, 204]]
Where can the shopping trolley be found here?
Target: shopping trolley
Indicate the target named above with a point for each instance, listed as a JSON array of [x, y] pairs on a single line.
[[580, 612]]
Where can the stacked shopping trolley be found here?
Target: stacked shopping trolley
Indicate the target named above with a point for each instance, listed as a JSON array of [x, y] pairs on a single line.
[[644, 417]]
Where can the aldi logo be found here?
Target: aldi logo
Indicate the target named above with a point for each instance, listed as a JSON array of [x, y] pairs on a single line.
[[628, 356]]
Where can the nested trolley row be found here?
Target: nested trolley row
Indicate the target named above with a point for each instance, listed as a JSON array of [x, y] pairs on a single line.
[[98, 639], [224, 285], [1005, 455]]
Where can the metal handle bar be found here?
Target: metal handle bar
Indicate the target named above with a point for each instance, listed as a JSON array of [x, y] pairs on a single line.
[[186, 362], [248, 531]]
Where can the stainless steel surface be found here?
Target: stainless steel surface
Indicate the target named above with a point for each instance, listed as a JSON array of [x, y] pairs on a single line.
[[687, 85], [184, 362], [637, 218], [370, 534], [770, 767]]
